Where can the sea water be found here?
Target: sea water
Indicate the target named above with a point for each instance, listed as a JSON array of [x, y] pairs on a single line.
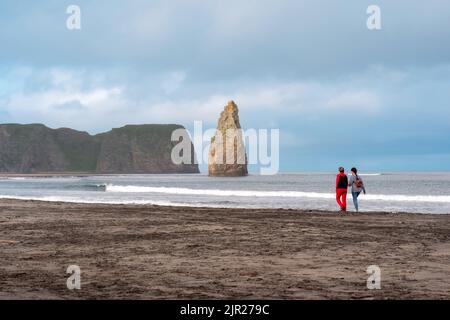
[[391, 192]]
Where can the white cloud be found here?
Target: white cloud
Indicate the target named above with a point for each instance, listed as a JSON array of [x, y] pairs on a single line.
[[362, 101], [173, 81], [65, 97], [100, 99]]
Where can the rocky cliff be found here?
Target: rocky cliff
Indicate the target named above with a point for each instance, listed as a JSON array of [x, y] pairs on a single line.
[[34, 148], [227, 157]]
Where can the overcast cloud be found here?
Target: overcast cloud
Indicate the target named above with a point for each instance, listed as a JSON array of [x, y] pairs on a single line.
[[339, 93]]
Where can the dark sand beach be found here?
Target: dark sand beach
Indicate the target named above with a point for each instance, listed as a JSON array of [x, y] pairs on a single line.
[[149, 252]]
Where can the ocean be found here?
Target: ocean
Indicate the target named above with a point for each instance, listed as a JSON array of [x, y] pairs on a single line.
[[391, 192]]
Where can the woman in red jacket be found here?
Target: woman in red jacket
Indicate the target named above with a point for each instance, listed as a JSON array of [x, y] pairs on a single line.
[[341, 189]]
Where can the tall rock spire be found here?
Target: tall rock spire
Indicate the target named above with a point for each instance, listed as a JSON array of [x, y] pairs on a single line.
[[227, 157]]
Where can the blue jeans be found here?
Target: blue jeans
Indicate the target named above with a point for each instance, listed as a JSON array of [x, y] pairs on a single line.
[[355, 196]]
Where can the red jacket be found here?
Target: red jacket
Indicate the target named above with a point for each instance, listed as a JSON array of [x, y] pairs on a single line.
[[344, 182]]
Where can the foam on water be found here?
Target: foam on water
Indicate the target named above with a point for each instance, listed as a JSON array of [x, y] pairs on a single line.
[[285, 194], [392, 192], [99, 201]]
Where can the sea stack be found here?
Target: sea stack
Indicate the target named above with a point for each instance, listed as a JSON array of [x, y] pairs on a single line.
[[227, 157]]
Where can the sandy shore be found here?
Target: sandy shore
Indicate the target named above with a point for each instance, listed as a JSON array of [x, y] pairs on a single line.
[[148, 252]]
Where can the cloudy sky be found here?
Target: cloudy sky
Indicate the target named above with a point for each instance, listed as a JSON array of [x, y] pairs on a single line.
[[338, 92]]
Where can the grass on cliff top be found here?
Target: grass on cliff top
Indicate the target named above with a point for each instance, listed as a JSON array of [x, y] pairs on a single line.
[[146, 129]]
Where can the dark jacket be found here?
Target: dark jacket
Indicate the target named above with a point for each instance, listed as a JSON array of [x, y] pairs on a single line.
[[341, 181]]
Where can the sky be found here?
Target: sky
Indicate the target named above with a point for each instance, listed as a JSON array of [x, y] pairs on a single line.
[[339, 93]]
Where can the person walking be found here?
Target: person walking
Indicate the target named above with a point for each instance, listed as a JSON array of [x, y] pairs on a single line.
[[357, 185], [341, 189]]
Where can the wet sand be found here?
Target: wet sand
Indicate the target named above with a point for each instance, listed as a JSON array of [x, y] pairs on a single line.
[[149, 252]]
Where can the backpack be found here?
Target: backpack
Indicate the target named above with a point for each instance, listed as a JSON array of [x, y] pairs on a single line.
[[343, 182], [359, 183]]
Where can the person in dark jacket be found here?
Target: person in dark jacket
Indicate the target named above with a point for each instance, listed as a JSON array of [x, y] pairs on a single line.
[[341, 189]]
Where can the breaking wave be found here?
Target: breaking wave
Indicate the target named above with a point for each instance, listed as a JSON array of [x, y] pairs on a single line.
[[107, 201], [285, 194]]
